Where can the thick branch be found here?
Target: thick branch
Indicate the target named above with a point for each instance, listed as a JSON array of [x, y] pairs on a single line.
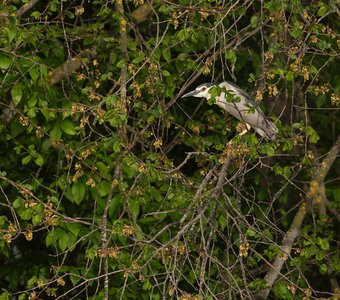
[[68, 67], [291, 235], [26, 7], [21, 10]]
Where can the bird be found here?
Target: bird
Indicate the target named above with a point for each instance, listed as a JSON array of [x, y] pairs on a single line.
[[239, 104]]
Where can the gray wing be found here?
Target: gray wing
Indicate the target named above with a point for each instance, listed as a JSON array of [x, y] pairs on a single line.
[[258, 120], [250, 99]]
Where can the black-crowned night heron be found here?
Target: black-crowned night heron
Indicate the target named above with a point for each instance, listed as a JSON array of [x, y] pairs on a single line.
[[238, 103]]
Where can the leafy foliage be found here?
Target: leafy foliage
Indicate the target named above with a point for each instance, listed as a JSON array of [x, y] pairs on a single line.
[[108, 174]]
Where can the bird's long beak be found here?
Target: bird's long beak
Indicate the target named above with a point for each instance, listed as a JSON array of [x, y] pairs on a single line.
[[190, 94]]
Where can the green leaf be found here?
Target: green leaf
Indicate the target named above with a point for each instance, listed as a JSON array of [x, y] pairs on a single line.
[[78, 191], [31, 282], [254, 21], [290, 76], [322, 44], [257, 284], [5, 296], [166, 54], [287, 172], [104, 188], [74, 228], [250, 233], [323, 243], [16, 94], [281, 290], [165, 9], [313, 135], [11, 33], [39, 161], [32, 101], [91, 253], [17, 203], [68, 127], [323, 269], [183, 34], [34, 74], [231, 56], [120, 64], [50, 239], [63, 241], [267, 149], [252, 77], [166, 73], [26, 160], [134, 208], [116, 147], [56, 131], [23, 296], [5, 62], [288, 145], [320, 255], [147, 285], [222, 221], [155, 194], [74, 276], [215, 91], [323, 10], [37, 219], [26, 214], [36, 14]]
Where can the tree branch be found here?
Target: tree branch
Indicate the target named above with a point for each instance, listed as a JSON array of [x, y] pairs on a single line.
[[313, 194], [68, 67], [21, 10], [104, 248], [26, 7], [124, 54]]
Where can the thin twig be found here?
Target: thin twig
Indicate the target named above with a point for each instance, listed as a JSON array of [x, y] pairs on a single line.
[[189, 155]]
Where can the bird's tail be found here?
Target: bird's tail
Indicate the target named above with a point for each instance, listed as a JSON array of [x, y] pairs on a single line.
[[268, 130]]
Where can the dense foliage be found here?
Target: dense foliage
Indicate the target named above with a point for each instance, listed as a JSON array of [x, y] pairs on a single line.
[[112, 186]]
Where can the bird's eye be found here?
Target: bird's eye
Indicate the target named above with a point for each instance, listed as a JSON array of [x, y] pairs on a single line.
[[203, 88]]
